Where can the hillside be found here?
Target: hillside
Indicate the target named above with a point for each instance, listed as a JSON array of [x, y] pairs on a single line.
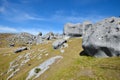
[[3, 39], [71, 67]]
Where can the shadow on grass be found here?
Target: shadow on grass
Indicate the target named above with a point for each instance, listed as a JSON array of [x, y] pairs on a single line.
[[82, 53]]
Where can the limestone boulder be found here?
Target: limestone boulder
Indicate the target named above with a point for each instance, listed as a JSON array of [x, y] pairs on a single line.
[[102, 39], [73, 30]]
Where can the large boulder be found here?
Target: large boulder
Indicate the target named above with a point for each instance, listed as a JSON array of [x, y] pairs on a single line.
[[58, 43], [103, 38], [73, 30]]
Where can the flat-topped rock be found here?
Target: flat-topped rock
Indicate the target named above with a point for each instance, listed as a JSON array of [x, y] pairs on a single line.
[[73, 30]]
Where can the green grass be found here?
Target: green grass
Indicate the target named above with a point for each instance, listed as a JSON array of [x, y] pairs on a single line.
[[71, 67]]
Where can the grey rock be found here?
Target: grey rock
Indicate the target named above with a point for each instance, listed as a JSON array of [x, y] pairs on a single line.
[[39, 38], [22, 38], [20, 49], [58, 43], [102, 39], [43, 67], [49, 36], [73, 30]]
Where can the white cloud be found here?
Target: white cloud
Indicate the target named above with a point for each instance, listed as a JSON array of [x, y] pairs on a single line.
[[60, 18], [7, 29], [29, 17], [24, 17], [76, 19]]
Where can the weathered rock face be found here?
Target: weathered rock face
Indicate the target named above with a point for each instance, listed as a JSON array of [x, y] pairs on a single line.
[[22, 38], [103, 38], [73, 30]]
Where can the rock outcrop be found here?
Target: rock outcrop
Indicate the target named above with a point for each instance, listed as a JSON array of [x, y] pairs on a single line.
[[23, 38], [39, 70], [17, 64], [103, 38], [73, 30]]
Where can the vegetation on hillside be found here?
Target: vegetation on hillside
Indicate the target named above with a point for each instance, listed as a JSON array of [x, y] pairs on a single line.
[[71, 67]]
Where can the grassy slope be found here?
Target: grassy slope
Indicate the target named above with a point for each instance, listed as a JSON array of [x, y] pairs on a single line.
[[71, 67], [3, 39]]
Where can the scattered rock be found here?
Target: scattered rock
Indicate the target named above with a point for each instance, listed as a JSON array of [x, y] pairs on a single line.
[[16, 64]]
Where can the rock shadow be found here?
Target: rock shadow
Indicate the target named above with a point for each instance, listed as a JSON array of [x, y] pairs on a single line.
[[83, 53]]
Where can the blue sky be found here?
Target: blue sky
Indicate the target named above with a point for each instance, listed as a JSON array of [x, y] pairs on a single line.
[[35, 16]]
